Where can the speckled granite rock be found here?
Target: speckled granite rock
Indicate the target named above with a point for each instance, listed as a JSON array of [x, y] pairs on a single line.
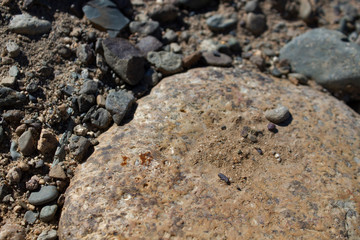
[[156, 177]]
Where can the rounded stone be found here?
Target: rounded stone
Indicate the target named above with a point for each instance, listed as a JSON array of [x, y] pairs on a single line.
[[45, 195], [277, 115], [166, 161], [166, 62], [47, 213]]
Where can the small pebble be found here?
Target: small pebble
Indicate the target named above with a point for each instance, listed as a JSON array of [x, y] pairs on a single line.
[[271, 127], [224, 178], [30, 217], [277, 115]]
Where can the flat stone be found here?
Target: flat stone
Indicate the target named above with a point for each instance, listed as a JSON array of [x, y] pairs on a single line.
[[105, 14], [8, 82], [256, 23], [324, 56], [118, 104], [31, 217], [48, 235], [125, 59], [57, 172], [10, 99], [27, 143], [45, 195], [149, 44], [161, 169], [217, 59], [12, 231], [277, 115], [47, 143], [14, 71], [166, 62], [13, 49], [145, 28], [27, 24], [47, 213], [79, 147], [220, 23]]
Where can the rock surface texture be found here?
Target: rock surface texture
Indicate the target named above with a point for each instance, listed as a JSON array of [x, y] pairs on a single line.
[[327, 57], [157, 176]]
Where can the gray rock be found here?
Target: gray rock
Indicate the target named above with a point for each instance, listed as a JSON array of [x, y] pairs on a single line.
[[166, 62], [220, 23], [101, 118], [217, 59], [15, 155], [48, 235], [85, 54], [105, 14], [13, 49], [47, 213], [10, 99], [256, 23], [12, 231], [45, 195], [125, 59], [145, 28], [27, 143], [9, 82], [277, 115], [13, 117], [85, 102], [4, 190], [170, 36], [118, 103], [26, 24], [324, 56], [195, 4], [305, 11], [30, 217], [252, 6], [13, 71], [79, 147], [164, 13], [149, 44], [89, 87]]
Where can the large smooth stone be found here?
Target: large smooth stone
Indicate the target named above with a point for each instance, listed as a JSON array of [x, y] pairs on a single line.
[[156, 177], [327, 57], [27, 24]]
